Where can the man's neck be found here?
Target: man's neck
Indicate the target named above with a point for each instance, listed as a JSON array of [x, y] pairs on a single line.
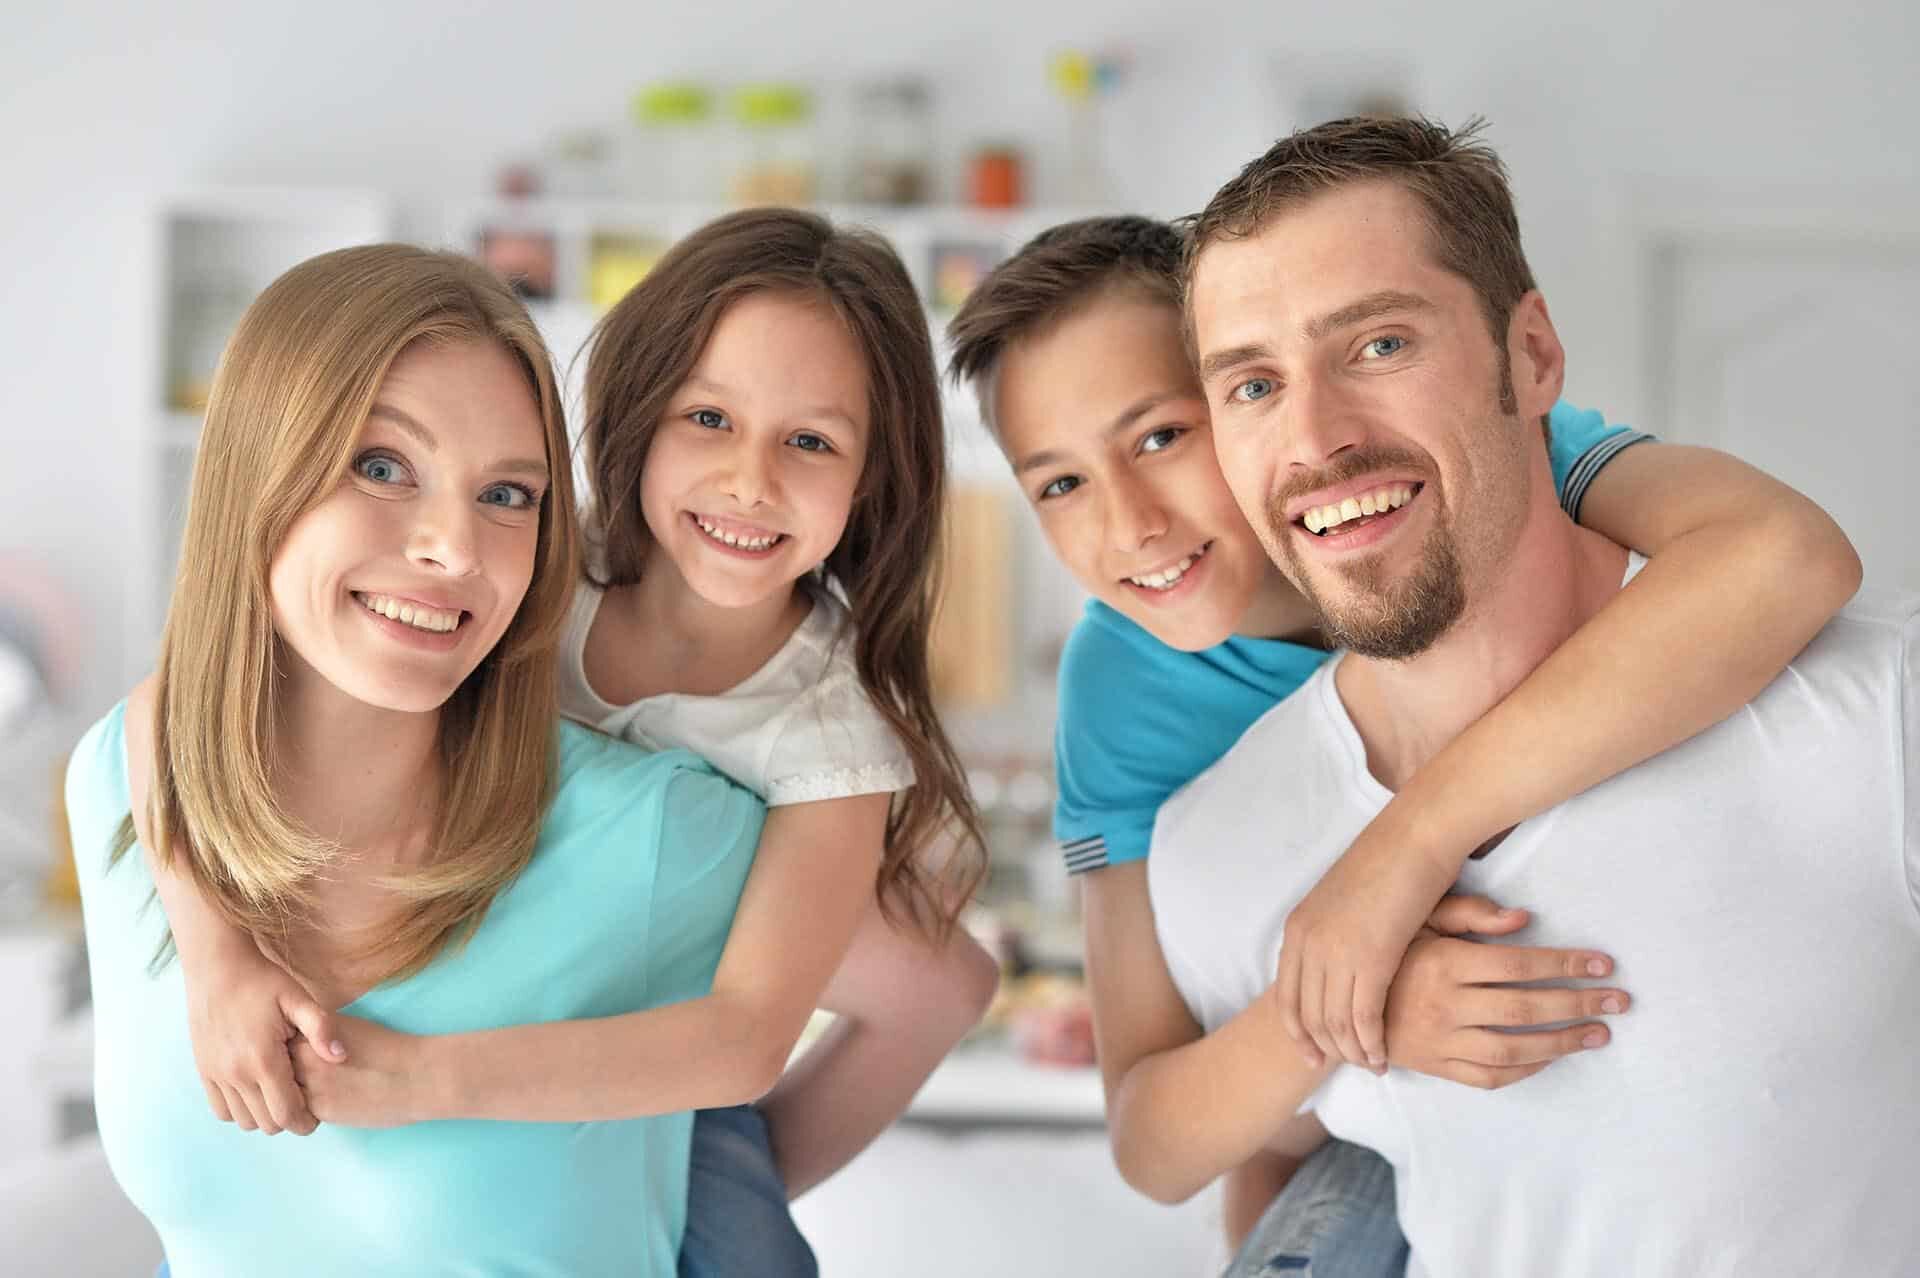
[[1557, 577]]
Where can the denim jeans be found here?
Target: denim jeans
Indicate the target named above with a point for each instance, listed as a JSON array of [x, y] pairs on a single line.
[[1335, 1219], [738, 1223]]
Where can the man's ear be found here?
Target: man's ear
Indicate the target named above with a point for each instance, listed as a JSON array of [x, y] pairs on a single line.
[[1538, 360]]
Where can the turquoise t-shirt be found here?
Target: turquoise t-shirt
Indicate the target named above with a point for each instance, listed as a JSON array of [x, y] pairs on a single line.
[[624, 905], [1138, 719]]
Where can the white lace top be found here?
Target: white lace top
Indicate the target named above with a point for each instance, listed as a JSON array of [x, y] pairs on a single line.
[[797, 730]]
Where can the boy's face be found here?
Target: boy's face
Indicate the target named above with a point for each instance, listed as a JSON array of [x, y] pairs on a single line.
[[1107, 433]]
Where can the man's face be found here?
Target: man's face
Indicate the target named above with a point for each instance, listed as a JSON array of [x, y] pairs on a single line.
[[1107, 434], [1363, 415]]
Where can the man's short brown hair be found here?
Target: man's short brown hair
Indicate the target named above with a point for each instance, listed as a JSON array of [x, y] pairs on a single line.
[[1459, 181], [1057, 271]]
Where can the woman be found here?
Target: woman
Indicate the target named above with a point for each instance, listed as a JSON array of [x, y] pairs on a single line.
[[351, 747]]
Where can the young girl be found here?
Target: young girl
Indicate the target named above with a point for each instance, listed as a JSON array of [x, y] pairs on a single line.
[[767, 458], [1075, 347]]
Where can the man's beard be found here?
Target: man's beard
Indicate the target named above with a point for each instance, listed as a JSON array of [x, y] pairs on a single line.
[[1388, 620]]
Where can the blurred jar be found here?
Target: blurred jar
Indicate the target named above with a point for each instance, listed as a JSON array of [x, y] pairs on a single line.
[[996, 178], [778, 153], [673, 153], [892, 143]]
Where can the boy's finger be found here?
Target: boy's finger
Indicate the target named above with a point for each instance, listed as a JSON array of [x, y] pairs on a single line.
[[1493, 964], [1509, 1051], [316, 1025], [1459, 915], [1313, 1015], [1370, 1018], [1286, 988], [1340, 1017]]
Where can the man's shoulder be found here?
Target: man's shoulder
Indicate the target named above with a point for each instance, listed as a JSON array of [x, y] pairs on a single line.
[[1252, 779]]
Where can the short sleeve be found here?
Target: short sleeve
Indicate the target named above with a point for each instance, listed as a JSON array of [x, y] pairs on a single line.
[[1580, 444], [835, 744], [1103, 810]]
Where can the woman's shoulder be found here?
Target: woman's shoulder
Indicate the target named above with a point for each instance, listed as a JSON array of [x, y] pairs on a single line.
[[607, 776]]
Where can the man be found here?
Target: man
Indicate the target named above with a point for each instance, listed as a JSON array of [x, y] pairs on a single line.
[[1365, 323]]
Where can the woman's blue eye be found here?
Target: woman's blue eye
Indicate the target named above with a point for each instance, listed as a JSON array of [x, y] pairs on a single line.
[[1061, 486], [811, 443], [709, 418], [1162, 439], [379, 468], [509, 497], [1391, 345], [1252, 389]]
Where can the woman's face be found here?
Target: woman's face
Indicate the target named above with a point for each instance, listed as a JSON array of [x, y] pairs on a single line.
[[395, 586], [1108, 436], [752, 473]]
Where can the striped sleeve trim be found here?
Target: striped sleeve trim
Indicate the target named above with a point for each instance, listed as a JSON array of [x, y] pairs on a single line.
[[1591, 463], [1085, 854]]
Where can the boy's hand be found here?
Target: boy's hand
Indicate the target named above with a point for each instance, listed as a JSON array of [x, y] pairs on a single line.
[[382, 1084], [1343, 944], [1450, 994], [243, 1010]]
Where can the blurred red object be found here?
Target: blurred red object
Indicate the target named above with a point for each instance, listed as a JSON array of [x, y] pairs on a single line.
[[1061, 1034], [995, 178]]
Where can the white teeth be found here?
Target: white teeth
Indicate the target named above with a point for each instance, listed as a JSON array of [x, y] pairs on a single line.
[[1168, 578], [1378, 502], [731, 539], [420, 618]]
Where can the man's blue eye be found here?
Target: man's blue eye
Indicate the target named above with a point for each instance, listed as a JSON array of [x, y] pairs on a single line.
[[1061, 486], [1381, 347], [1252, 389]]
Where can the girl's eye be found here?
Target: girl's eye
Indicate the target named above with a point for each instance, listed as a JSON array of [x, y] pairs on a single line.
[[1061, 486], [1381, 347], [1162, 439], [379, 468], [510, 497], [1254, 388], [709, 418], [807, 442]]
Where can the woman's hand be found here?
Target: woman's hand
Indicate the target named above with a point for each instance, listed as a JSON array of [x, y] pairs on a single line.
[[1450, 994], [381, 1082], [243, 1012]]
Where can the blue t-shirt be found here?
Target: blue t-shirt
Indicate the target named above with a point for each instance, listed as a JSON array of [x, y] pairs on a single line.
[[624, 905], [1138, 719]]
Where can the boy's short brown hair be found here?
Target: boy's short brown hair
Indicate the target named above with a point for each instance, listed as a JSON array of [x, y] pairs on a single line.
[[1052, 274]]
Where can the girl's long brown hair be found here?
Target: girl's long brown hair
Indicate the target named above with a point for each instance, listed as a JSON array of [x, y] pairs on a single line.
[[292, 391], [888, 558]]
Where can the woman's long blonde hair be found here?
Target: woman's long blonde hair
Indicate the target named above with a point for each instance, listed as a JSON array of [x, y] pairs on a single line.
[[292, 392]]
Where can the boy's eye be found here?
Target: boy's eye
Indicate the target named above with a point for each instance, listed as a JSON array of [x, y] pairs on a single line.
[[1254, 388], [1381, 347], [1162, 439], [509, 497], [807, 442], [1061, 486], [709, 418], [379, 468]]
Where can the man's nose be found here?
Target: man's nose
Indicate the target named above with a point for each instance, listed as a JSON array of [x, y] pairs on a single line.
[[1321, 422]]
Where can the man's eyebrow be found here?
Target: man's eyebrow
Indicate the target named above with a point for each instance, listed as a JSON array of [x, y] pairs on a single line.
[[410, 426], [1372, 306], [1122, 420], [1220, 361]]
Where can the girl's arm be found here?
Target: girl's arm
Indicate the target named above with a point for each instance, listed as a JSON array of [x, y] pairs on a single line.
[[811, 880], [1743, 572], [903, 1000]]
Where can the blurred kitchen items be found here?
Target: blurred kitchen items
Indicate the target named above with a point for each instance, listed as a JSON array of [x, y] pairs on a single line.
[[779, 155], [892, 143], [672, 156]]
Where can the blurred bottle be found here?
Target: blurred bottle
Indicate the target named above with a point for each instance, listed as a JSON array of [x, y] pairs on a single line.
[[996, 178], [893, 143], [778, 153], [673, 152]]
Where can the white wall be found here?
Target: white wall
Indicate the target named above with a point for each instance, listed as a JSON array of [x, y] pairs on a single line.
[[99, 105]]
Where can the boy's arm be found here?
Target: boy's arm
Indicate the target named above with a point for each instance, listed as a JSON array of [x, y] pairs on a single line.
[[903, 1000], [1743, 572], [811, 879]]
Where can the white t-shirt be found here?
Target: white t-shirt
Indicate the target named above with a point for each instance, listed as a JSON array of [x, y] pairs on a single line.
[[797, 730], [1758, 1110]]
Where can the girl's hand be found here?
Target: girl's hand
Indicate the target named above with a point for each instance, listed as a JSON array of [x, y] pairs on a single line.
[[380, 1084], [243, 1011], [1450, 994], [1344, 942]]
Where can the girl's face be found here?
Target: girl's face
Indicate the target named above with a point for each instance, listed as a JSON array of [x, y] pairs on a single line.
[[396, 585], [751, 475], [1108, 435]]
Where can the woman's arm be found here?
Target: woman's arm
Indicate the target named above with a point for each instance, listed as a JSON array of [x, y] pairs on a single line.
[[903, 1000], [811, 880], [1743, 572]]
